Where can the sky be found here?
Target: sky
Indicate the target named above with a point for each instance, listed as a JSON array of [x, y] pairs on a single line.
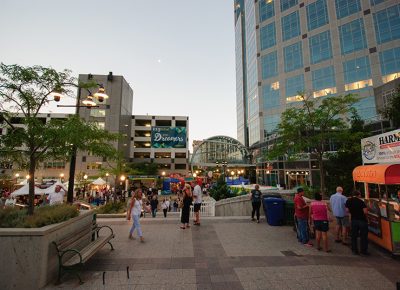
[[177, 55]]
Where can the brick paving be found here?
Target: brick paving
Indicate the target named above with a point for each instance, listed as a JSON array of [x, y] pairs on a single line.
[[227, 253]]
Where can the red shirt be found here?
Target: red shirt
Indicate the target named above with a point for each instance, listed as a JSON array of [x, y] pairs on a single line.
[[299, 202]]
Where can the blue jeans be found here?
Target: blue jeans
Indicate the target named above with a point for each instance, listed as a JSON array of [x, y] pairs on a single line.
[[302, 229], [136, 225], [359, 227], [154, 212]]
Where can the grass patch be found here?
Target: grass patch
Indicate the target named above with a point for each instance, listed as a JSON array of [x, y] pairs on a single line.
[[112, 207], [43, 216]]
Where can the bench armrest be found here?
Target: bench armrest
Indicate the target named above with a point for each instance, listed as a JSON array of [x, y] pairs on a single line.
[[71, 250], [99, 228]]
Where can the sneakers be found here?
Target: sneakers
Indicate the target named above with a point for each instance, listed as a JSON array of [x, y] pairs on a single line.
[[132, 237], [253, 219], [308, 244], [258, 221]]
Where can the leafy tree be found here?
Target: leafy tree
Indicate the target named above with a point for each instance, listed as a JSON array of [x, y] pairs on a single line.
[[391, 111], [310, 127], [220, 190], [143, 168], [26, 90]]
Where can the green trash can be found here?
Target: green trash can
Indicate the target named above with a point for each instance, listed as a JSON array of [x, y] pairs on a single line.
[[289, 213]]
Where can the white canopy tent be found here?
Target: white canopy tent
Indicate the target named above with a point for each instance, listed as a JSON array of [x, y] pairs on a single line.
[[99, 181], [52, 188], [24, 190]]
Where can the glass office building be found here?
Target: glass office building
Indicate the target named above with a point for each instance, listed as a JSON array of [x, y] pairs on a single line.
[[320, 47]]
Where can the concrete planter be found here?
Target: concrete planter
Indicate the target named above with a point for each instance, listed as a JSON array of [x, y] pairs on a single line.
[[28, 259]]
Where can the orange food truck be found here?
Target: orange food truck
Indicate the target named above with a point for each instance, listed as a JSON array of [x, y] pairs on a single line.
[[381, 184]]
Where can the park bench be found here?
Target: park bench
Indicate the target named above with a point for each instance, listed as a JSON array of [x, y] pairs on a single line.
[[72, 255]]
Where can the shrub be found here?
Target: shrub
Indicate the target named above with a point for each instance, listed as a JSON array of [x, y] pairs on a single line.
[[112, 207], [43, 216]]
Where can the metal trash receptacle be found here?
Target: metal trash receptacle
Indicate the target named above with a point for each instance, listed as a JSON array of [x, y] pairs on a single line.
[[274, 210], [289, 213]]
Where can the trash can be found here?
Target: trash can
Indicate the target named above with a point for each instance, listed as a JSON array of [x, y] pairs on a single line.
[[274, 210], [289, 213]]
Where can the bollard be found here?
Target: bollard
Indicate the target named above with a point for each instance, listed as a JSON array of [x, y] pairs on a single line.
[[104, 278], [398, 286], [127, 271]]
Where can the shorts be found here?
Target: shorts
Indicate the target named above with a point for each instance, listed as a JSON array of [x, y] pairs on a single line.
[[322, 226], [343, 221], [197, 207]]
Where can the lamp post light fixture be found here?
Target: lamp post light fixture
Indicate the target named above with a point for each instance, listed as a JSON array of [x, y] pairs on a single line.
[[194, 175], [100, 95], [107, 175], [61, 177], [28, 177]]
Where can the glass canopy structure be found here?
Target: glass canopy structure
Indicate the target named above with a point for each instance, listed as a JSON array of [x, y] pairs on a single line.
[[220, 149]]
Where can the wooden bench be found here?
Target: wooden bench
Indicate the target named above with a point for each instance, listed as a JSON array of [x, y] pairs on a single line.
[[72, 255]]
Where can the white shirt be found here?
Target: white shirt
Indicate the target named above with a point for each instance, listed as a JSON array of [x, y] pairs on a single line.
[[136, 208], [10, 202], [56, 198], [197, 193], [165, 205]]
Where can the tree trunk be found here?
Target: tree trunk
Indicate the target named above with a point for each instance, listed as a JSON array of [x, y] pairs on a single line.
[[31, 199]]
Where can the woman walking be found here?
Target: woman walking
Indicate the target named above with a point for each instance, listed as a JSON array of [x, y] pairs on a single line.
[[165, 206], [135, 209], [319, 214], [187, 202]]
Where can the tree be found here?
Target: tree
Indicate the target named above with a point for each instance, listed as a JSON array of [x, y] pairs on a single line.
[[310, 127], [220, 190], [391, 111], [26, 90]]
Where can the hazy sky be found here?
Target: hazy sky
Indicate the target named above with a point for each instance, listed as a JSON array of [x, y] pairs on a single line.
[[177, 55]]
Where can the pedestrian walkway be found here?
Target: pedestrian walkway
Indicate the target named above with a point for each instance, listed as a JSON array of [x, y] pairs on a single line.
[[227, 253]]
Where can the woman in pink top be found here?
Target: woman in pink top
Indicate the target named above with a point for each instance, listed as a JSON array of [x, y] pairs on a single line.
[[319, 214]]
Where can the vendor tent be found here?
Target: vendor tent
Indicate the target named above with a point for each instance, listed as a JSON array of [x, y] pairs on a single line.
[[99, 181], [52, 188], [24, 190]]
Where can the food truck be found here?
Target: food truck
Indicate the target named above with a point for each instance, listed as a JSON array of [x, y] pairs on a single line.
[[381, 186]]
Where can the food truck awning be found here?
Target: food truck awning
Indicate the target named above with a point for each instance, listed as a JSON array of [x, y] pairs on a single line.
[[378, 173]]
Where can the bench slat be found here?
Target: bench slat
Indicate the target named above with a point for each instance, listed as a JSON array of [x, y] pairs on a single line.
[[73, 238], [88, 251]]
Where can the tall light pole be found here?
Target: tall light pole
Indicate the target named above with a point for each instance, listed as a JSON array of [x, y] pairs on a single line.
[[107, 175], [87, 103]]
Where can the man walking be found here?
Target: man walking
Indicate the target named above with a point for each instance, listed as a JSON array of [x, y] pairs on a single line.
[[301, 213], [256, 202], [56, 197], [359, 226], [198, 199], [339, 210]]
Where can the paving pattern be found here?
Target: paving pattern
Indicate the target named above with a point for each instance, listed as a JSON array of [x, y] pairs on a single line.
[[227, 253]]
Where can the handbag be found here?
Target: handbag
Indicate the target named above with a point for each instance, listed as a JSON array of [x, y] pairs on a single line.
[[180, 204]]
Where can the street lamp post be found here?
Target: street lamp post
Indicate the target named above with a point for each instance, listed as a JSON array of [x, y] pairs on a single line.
[[85, 177], [62, 177], [87, 103], [107, 175], [163, 175]]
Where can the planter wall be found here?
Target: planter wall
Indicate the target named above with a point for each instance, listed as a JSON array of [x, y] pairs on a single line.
[[29, 259]]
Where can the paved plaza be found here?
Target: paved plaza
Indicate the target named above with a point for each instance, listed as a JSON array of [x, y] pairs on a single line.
[[227, 253]]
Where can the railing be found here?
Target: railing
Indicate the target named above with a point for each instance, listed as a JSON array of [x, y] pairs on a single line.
[[207, 208]]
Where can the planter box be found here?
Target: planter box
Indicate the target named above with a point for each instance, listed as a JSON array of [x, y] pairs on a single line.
[[28, 258]]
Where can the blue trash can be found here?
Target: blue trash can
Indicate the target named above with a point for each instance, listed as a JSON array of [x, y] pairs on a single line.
[[274, 210]]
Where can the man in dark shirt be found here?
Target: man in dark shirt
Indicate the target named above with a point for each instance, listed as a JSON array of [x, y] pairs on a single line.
[[256, 202], [359, 226]]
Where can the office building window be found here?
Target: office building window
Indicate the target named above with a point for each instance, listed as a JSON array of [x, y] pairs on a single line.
[[357, 73], [269, 65], [387, 24], [293, 57], [286, 4], [290, 26], [366, 108], [317, 14], [347, 7], [352, 36], [376, 2], [294, 88], [271, 123], [266, 10], [271, 96], [390, 64], [323, 81], [268, 36], [320, 47]]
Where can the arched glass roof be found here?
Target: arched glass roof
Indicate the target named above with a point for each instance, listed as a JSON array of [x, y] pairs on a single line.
[[220, 149]]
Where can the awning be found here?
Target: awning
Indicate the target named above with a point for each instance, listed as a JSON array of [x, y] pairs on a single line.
[[378, 173]]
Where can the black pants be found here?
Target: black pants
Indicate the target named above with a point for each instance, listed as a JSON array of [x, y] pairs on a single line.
[[165, 212], [256, 209], [359, 227]]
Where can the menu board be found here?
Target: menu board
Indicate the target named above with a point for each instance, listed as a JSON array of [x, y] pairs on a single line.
[[374, 225]]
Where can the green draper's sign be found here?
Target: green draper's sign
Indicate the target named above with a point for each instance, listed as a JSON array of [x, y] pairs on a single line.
[[168, 137]]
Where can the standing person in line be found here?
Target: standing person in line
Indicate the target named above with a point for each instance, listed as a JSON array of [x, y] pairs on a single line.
[[319, 215], [359, 226], [301, 212], [187, 202], [135, 209], [198, 199], [339, 210], [165, 206], [255, 197], [154, 205], [56, 197]]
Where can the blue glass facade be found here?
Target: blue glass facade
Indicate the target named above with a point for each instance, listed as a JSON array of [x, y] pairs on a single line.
[[286, 4], [390, 61], [356, 69], [366, 108], [271, 122], [376, 2], [323, 78], [267, 36], [269, 65], [293, 57], [352, 36], [387, 24], [317, 14], [290, 26], [294, 85], [347, 7], [320, 47], [271, 97], [266, 10]]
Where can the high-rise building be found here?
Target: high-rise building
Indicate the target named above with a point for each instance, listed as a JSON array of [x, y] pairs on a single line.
[[320, 47]]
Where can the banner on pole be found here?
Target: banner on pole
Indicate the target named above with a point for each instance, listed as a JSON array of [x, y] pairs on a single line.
[[168, 137], [383, 148]]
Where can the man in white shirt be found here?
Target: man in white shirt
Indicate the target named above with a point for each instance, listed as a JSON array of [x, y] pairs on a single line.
[[198, 198], [56, 197]]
